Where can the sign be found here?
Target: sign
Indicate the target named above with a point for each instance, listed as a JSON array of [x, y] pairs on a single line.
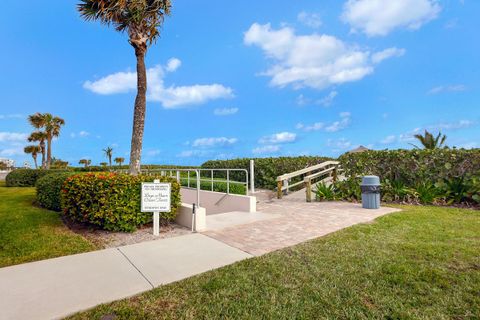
[[156, 197]]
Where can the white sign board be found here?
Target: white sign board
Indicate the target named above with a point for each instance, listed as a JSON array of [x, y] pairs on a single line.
[[156, 197]]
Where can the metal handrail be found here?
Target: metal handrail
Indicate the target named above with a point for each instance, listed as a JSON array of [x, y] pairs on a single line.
[[199, 178]]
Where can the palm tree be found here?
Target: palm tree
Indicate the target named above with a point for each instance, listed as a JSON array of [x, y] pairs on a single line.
[[40, 137], [85, 162], [428, 141], [141, 19], [51, 125], [119, 160], [34, 151], [103, 164], [108, 153]]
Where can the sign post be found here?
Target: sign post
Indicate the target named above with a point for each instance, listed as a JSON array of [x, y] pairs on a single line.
[[156, 198]]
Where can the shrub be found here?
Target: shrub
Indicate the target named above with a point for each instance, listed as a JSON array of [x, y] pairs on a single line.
[[412, 167], [266, 169], [26, 177], [49, 189], [427, 193], [111, 201]]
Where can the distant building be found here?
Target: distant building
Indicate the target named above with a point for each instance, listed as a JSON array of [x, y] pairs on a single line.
[[8, 163], [359, 149]]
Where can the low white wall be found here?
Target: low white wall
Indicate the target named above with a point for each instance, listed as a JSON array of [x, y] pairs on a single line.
[[216, 202], [184, 217]]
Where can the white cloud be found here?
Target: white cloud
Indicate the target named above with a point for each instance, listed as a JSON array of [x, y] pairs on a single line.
[[225, 111], [12, 136], [301, 100], [194, 153], [170, 97], [461, 124], [448, 88], [214, 142], [315, 61], [380, 17], [173, 64], [389, 139], [11, 116], [339, 144], [386, 54], [282, 137], [81, 134], [408, 137], [266, 149], [328, 100], [152, 152], [344, 122], [10, 152], [311, 20]]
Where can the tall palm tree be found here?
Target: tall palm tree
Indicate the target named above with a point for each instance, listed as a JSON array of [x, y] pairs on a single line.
[[119, 160], [34, 151], [141, 19], [108, 153], [428, 141], [40, 137], [51, 125]]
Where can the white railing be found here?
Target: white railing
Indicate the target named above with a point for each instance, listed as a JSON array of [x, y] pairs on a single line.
[[327, 169]]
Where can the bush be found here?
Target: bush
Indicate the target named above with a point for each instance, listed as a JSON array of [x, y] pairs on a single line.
[[412, 167], [49, 189], [266, 169], [26, 177], [111, 201]]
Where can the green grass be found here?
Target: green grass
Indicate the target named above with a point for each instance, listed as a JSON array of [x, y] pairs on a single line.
[[29, 233], [422, 263]]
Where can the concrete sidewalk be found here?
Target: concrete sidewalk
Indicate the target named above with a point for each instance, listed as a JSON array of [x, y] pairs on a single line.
[[55, 288]]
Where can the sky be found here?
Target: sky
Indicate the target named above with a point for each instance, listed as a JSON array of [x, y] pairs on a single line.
[[249, 78]]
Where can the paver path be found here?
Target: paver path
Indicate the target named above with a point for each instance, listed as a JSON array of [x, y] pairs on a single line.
[[296, 222]]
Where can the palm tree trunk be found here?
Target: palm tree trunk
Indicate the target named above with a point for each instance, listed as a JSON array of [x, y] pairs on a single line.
[[42, 146], [139, 113], [35, 161], [49, 152]]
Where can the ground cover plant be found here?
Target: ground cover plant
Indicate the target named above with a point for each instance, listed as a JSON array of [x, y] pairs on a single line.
[[111, 201], [421, 263], [29, 233]]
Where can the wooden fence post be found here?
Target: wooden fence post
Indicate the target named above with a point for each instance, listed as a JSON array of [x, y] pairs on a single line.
[[279, 189], [335, 175], [308, 190]]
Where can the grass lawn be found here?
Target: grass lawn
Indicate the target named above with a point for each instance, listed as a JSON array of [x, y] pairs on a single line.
[[422, 263], [29, 233]]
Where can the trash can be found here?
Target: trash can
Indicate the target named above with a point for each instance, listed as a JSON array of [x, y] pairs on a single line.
[[370, 192]]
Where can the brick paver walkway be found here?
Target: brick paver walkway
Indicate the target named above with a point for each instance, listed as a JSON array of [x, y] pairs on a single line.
[[298, 221]]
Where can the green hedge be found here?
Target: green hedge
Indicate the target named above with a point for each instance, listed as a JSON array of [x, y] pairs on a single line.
[[26, 177], [49, 189], [266, 169], [440, 176], [218, 186], [412, 167], [111, 201]]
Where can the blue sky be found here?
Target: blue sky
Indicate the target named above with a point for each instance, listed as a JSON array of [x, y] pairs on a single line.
[[246, 78]]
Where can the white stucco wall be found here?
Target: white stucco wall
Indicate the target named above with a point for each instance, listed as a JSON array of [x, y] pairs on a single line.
[[216, 202]]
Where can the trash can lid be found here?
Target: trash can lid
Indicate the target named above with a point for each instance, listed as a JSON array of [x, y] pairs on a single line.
[[370, 181]]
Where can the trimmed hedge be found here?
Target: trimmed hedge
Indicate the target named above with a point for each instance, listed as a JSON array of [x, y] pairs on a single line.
[[26, 177], [266, 169], [412, 167], [49, 189], [218, 186], [111, 201]]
